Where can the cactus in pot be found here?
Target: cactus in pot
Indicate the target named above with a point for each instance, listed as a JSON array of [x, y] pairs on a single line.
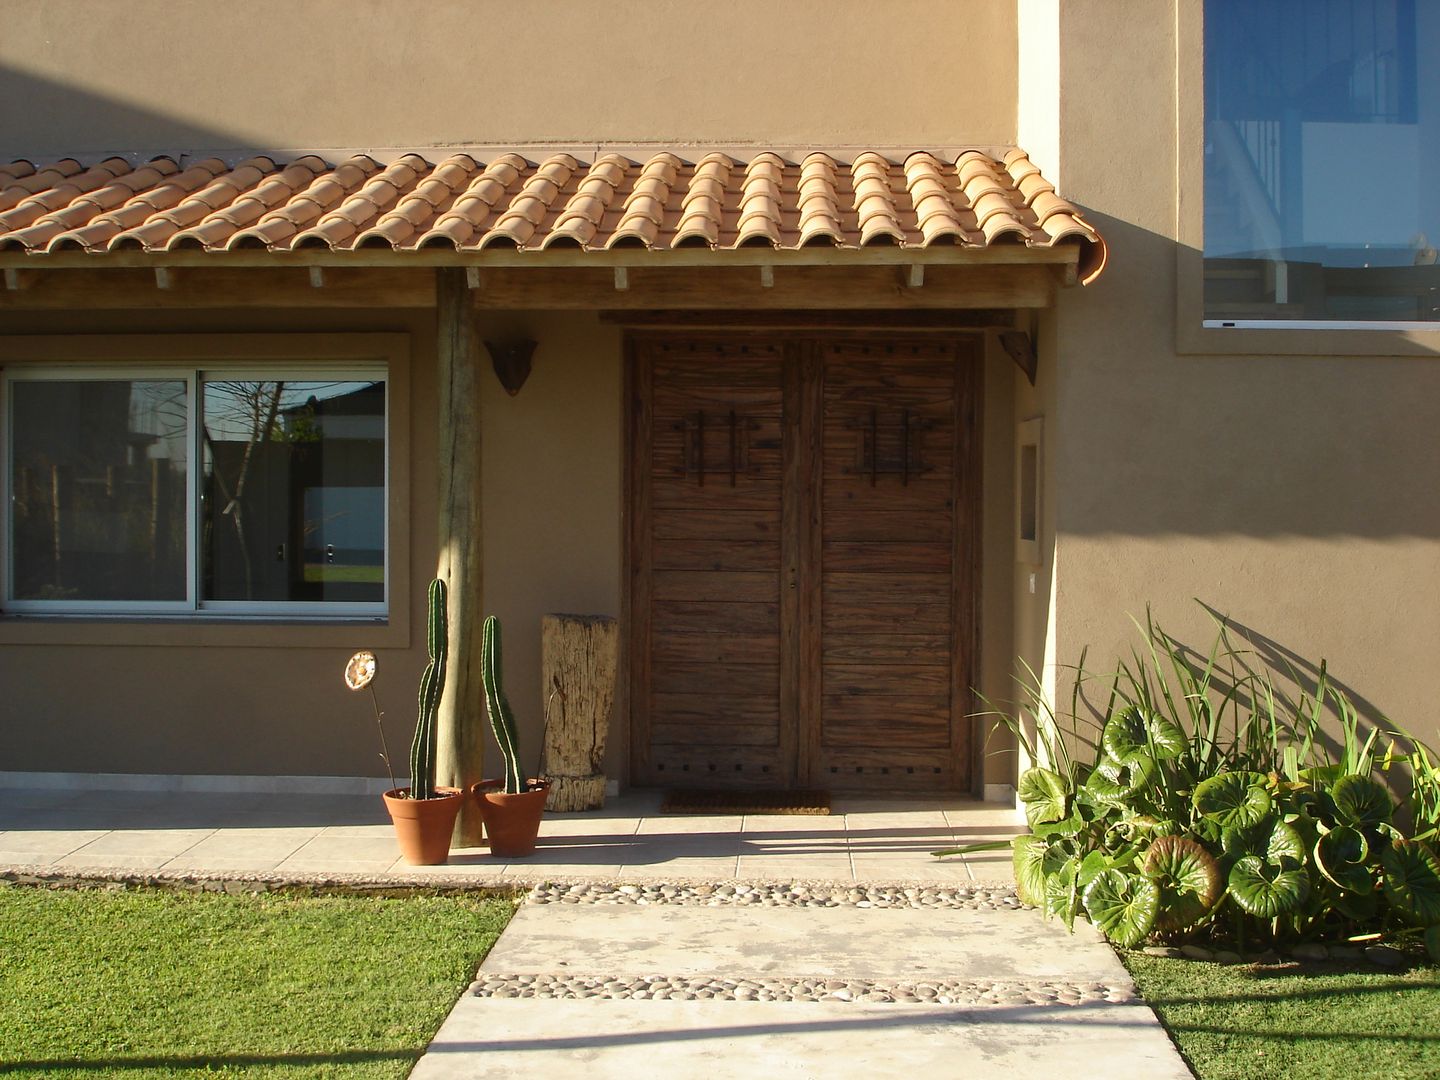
[[432, 686], [502, 720], [511, 809]]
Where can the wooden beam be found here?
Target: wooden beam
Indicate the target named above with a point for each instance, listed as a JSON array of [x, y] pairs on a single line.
[[234, 288], [461, 739], [803, 287], [921, 319]]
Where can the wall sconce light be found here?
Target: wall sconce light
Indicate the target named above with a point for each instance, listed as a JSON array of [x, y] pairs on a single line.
[[511, 360]]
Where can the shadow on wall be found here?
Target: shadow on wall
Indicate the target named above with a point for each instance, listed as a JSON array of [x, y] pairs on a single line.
[[1243, 668], [43, 121], [1151, 442]]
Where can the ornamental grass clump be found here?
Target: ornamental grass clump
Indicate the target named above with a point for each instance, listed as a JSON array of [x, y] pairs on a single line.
[[1202, 801]]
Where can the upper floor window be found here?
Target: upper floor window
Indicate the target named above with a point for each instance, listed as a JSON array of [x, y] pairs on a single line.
[[1322, 149], [169, 491]]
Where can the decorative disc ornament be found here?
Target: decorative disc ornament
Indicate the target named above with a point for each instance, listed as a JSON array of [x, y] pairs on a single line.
[[360, 670]]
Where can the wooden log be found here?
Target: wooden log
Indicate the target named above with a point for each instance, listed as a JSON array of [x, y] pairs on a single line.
[[578, 668], [460, 758]]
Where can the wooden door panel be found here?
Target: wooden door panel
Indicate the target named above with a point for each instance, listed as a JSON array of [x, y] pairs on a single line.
[[923, 556], [743, 678], [726, 524], [717, 555], [802, 549], [891, 691], [719, 618], [706, 546], [883, 646]]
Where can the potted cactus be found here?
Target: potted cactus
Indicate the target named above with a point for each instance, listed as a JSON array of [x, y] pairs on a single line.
[[424, 815], [511, 808]]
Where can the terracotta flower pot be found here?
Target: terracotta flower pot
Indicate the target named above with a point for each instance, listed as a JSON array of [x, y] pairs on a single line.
[[424, 826], [512, 822]]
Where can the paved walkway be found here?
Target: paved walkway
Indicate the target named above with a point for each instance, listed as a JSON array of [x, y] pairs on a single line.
[[833, 992], [687, 946], [181, 832]]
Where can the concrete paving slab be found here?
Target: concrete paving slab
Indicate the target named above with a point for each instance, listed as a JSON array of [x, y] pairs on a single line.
[[857, 943], [146, 842], [622, 1040]]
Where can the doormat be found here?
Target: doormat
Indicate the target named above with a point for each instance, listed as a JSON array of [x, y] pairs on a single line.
[[689, 801]]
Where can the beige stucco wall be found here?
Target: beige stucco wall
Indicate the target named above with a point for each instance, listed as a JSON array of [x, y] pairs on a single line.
[[1293, 491], [77, 76], [552, 477]]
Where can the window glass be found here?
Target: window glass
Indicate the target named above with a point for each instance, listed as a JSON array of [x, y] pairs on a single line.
[[1322, 139], [293, 490], [285, 513], [97, 490]]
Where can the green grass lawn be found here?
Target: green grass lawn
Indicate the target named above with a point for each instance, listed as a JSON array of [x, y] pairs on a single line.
[[157, 983], [1296, 1022]]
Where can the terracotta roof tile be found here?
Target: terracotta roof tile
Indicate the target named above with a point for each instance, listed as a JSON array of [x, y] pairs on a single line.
[[467, 202]]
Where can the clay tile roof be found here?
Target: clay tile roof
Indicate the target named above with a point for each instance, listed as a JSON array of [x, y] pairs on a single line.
[[533, 202]]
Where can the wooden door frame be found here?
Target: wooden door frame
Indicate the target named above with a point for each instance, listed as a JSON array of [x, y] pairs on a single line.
[[799, 659]]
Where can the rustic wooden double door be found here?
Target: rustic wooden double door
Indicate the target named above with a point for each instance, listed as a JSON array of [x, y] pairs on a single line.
[[803, 552]]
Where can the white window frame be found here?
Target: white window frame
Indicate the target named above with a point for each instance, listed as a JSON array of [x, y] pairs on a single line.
[[194, 375]]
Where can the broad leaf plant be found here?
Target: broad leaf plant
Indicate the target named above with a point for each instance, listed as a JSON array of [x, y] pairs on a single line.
[[1202, 801]]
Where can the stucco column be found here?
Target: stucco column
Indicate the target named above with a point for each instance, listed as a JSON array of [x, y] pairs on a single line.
[[461, 738]]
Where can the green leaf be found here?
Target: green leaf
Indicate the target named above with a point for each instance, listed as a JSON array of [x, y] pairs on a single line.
[[1267, 890], [1131, 734], [1233, 799], [1284, 843], [1122, 906], [1189, 880], [1061, 898], [1045, 794], [1362, 801], [1112, 782], [1341, 855], [1092, 864], [1069, 827], [1412, 880], [1030, 853]]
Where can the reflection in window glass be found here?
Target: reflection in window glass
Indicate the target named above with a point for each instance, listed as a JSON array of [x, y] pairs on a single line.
[[97, 484], [1322, 144], [293, 490]]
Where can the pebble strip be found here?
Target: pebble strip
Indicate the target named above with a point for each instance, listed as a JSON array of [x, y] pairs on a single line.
[[708, 988], [998, 898]]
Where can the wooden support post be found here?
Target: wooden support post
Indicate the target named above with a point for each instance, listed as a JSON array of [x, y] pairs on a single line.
[[462, 722], [578, 655]]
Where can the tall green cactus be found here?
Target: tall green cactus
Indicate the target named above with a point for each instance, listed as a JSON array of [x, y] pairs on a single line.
[[502, 720], [432, 686]]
